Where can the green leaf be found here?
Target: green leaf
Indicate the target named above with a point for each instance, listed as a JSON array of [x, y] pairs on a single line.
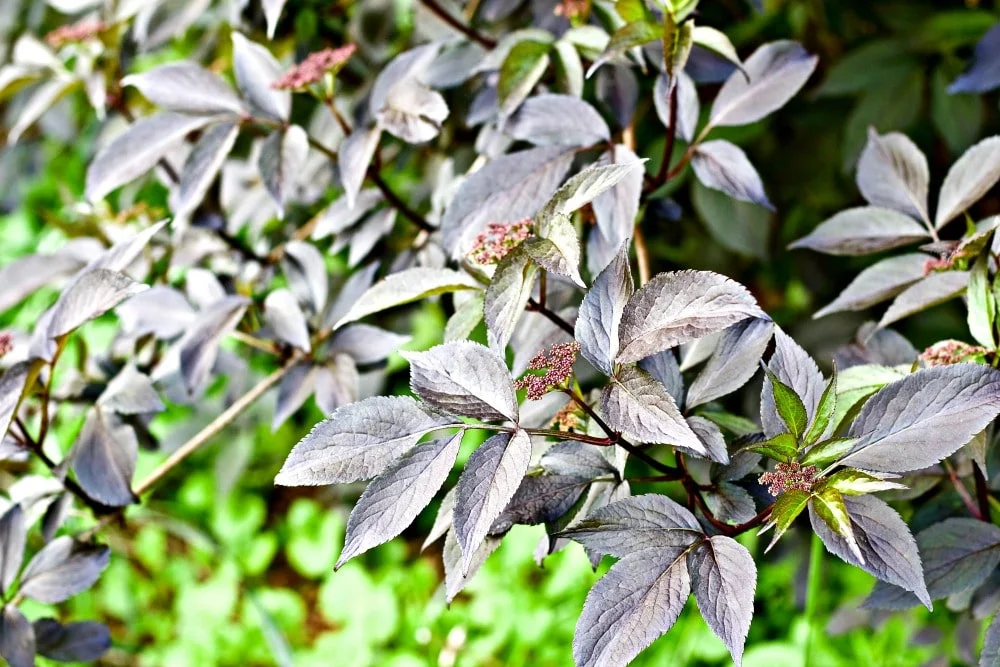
[[829, 505], [828, 451], [633, 10], [789, 405], [681, 9], [853, 482], [786, 508], [520, 71], [957, 117], [735, 424], [981, 303], [824, 411], [783, 447], [677, 41], [716, 41]]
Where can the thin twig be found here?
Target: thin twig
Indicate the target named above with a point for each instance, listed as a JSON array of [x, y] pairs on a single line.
[[468, 31], [982, 491], [970, 503], [549, 314]]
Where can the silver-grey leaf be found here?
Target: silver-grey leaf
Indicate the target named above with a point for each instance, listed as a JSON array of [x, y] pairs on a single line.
[[91, 295], [412, 112], [12, 388], [200, 345], [122, 254], [680, 306], [770, 77], [885, 541], [286, 319], [83, 641], [17, 639], [934, 289], [465, 319], [161, 311], [130, 392], [601, 312], [583, 187], [958, 554], [455, 575], [557, 248], [729, 502], [638, 600], [281, 160], [256, 69], [990, 657], [358, 441], [862, 231], [650, 521], [510, 187], [714, 443], [272, 12], [464, 378], [186, 87], [688, 106], [734, 361], [354, 156], [104, 457], [305, 269], [616, 209], [63, 568], [366, 344], [12, 534], [724, 579], [540, 499], [137, 150], [724, 166], [337, 383], [295, 388], [394, 499], [506, 296], [893, 173], [641, 409], [203, 165], [665, 370], [968, 180], [878, 282], [550, 119], [442, 521], [364, 237], [489, 481], [405, 287]]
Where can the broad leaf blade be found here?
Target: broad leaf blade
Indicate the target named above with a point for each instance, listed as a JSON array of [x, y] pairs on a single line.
[[404, 287], [893, 173], [968, 180], [63, 568], [464, 378], [861, 231], [724, 579], [601, 311]]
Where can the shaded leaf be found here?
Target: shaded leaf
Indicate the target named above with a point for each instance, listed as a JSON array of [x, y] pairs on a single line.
[[63, 568], [12, 535], [281, 160], [286, 319], [84, 641], [506, 296], [130, 392], [616, 209], [734, 361], [724, 166], [540, 499], [17, 639], [366, 344], [557, 248], [200, 345], [104, 457], [91, 295], [687, 104], [305, 269], [203, 165], [354, 157], [455, 576], [12, 388]]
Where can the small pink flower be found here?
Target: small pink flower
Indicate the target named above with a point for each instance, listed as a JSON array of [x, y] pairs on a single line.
[[934, 264], [6, 343], [558, 367], [76, 32], [498, 239], [572, 9], [314, 68], [790, 476], [948, 352]]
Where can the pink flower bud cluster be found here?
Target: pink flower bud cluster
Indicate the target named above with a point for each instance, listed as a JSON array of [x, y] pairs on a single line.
[[788, 477], [75, 32], [558, 366], [6, 343], [498, 240], [935, 264], [314, 68], [572, 9], [948, 352]]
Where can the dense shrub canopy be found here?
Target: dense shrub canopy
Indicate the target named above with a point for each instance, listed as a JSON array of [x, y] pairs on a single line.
[[694, 289]]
